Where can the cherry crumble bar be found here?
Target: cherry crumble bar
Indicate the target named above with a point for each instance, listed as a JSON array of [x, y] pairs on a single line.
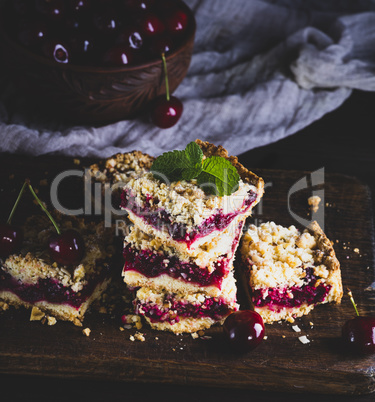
[[289, 272], [31, 279]]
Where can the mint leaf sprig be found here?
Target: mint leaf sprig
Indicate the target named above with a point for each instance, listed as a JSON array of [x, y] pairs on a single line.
[[215, 174]]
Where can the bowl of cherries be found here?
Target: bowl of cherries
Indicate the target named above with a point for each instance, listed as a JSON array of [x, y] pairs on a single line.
[[96, 61]]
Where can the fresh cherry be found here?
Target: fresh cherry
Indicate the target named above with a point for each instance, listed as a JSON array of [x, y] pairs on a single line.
[[165, 110], [66, 248], [130, 36], [151, 25], [56, 50], [54, 9], [176, 21], [358, 333], [118, 55], [244, 330], [11, 236]]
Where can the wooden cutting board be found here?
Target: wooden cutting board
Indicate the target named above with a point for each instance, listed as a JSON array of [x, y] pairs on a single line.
[[280, 363]]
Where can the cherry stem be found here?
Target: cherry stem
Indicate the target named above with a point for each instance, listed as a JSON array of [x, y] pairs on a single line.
[[44, 208], [165, 76], [16, 203], [350, 294]]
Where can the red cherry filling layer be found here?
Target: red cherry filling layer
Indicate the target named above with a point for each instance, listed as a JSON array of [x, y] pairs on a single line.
[[162, 220], [152, 264], [215, 308], [276, 298], [50, 290]]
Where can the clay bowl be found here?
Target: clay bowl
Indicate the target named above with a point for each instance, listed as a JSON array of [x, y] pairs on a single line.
[[89, 94]]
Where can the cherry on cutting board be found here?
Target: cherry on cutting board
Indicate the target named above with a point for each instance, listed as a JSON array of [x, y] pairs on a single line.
[[244, 330], [358, 333], [166, 110], [11, 236], [66, 248]]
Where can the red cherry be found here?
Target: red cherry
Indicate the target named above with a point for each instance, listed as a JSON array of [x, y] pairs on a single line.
[[166, 113], [54, 9], [358, 333], [67, 248], [130, 36], [10, 239], [177, 21], [244, 330], [118, 55], [151, 25], [56, 50]]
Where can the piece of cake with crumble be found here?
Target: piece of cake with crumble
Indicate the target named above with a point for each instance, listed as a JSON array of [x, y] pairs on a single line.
[[31, 278], [289, 272], [181, 249]]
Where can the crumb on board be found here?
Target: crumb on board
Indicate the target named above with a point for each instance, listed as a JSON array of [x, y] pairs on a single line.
[[290, 319], [4, 306], [296, 328], [356, 250], [314, 202], [77, 322], [76, 161], [36, 314], [86, 331], [303, 339], [138, 336], [194, 335]]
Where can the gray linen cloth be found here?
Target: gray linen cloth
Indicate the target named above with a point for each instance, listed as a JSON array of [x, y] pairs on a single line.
[[261, 70]]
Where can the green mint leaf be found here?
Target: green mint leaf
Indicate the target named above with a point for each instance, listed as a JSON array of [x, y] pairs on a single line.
[[177, 165], [169, 166], [218, 177], [194, 154]]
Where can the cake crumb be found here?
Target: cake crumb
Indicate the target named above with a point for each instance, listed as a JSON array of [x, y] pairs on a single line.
[[356, 250], [314, 201], [131, 337], [296, 328], [138, 325], [139, 336], [4, 306], [86, 331], [194, 335], [51, 320], [265, 337], [76, 161], [311, 324], [303, 339], [122, 329], [77, 322], [283, 336], [36, 314], [290, 319], [201, 333]]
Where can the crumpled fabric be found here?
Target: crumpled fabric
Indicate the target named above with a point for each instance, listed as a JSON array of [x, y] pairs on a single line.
[[261, 70]]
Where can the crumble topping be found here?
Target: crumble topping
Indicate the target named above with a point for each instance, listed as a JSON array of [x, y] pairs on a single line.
[[120, 168], [278, 254], [314, 202], [185, 201]]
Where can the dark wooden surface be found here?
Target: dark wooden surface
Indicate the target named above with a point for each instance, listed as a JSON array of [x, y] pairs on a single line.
[[341, 142]]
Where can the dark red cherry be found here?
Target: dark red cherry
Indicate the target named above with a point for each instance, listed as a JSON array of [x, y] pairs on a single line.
[[67, 248], [106, 22], [244, 330], [136, 5], [176, 21], [130, 36], [33, 33], [53, 9], [166, 113], [56, 50], [358, 335], [118, 55], [160, 44], [10, 239], [151, 25], [82, 45]]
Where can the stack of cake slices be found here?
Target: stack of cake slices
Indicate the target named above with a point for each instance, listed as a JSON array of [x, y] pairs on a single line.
[[180, 250], [289, 272], [29, 278]]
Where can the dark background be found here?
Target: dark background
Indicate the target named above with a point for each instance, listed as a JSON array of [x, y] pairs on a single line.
[[343, 142]]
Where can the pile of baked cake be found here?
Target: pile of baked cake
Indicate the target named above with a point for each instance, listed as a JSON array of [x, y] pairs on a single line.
[[179, 253]]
